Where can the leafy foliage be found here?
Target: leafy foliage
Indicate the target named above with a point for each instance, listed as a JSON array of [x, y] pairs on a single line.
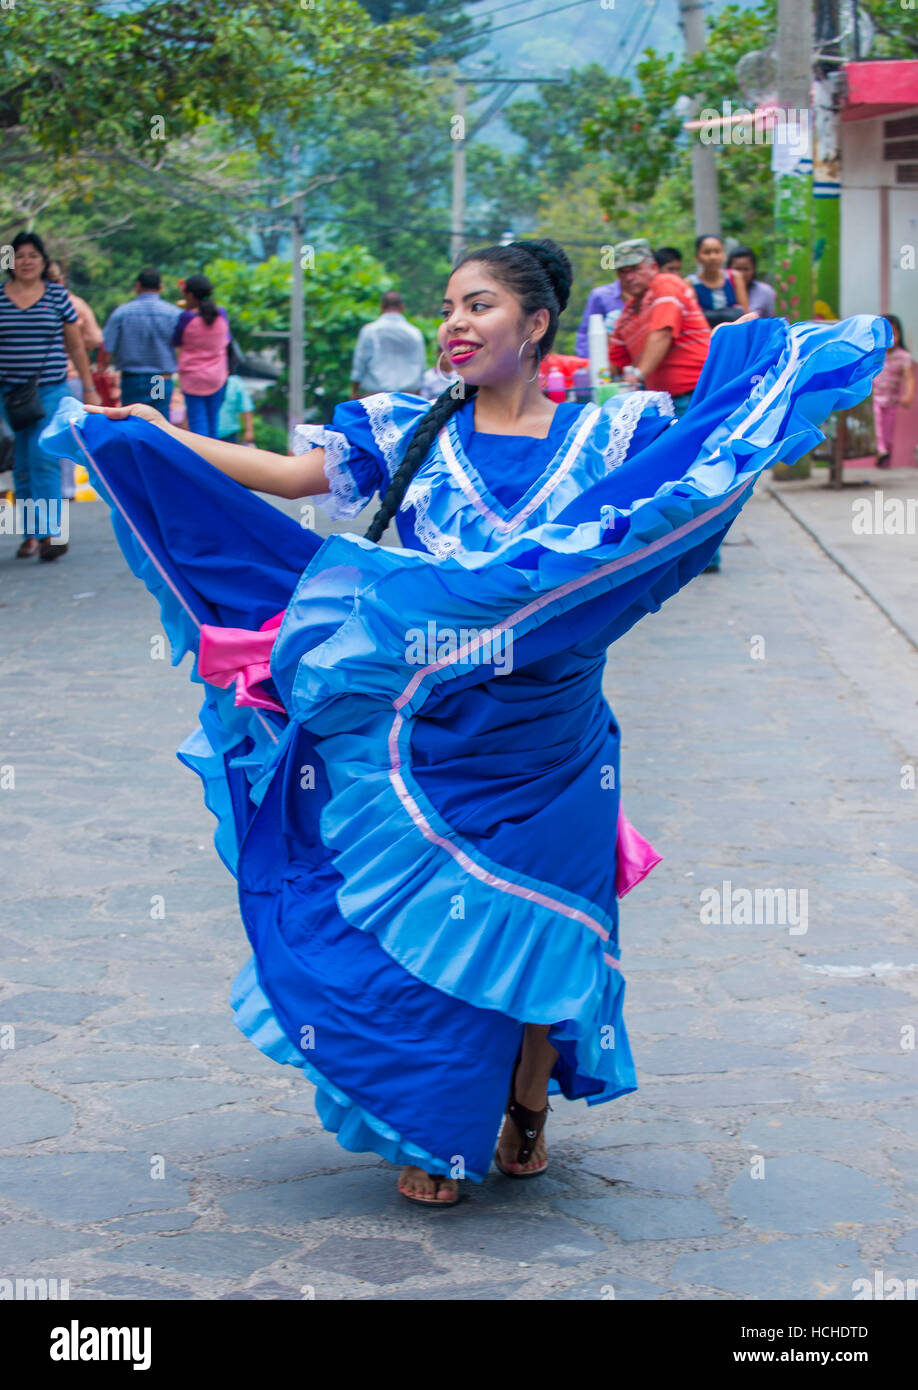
[[388, 159], [104, 219], [896, 26], [341, 294], [549, 129], [641, 131], [82, 73]]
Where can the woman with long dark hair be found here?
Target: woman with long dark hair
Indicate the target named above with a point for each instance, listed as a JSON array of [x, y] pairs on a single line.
[[38, 328], [201, 339], [414, 771]]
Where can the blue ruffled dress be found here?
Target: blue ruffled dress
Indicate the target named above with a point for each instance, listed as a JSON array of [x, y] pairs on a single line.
[[421, 811]]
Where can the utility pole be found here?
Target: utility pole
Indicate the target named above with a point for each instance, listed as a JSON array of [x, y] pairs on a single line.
[[460, 133], [792, 159], [295, 364], [457, 134], [704, 169], [792, 166]]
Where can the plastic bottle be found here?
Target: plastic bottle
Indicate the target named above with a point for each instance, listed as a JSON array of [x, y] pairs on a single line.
[[582, 388], [598, 351], [555, 385]]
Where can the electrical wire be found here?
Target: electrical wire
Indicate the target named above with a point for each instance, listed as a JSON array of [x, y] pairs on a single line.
[[559, 10], [637, 47]]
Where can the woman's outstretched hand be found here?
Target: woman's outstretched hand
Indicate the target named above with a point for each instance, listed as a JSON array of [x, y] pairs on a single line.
[[744, 318], [121, 412]]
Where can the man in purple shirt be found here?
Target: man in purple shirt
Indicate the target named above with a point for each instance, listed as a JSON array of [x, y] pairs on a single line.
[[603, 300]]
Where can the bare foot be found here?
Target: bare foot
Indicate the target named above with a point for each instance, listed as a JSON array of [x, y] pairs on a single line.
[[427, 1187]]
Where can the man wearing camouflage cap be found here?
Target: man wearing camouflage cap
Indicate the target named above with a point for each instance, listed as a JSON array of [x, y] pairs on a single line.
[[661, 338]]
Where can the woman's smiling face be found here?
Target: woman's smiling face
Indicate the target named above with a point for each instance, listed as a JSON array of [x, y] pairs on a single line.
[[484, 325], [28, 263]]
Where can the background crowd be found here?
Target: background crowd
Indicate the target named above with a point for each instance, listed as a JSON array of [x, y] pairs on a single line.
[[180, 357]]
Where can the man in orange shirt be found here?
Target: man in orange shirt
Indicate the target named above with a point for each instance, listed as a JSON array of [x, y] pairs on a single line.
[[661, 338]]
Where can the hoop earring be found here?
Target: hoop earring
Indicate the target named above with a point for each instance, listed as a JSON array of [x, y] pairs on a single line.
[[519, 360], [440, 371]]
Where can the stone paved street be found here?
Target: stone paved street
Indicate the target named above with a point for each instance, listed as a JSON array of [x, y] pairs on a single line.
[[770, 718]]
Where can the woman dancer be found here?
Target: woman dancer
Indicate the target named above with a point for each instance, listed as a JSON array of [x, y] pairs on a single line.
[[414, 771]]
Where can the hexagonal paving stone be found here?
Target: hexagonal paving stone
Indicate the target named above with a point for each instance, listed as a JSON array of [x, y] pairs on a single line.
[[90, 1186], [220, 1254], [810, 1268], [378, 1261], [30, 1114], [644, 1218], [801, 1193]]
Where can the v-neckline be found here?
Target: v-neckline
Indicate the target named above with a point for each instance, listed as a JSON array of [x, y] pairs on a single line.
[[480, 495], [24, 309]]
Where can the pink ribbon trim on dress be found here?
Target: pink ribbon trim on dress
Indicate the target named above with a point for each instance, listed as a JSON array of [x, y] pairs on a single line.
[[634, 856], [237, 656]]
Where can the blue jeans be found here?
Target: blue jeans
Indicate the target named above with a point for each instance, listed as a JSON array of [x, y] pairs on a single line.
[[203, 412], [68, 486], [682, 403], [36, 474], [137, 388]]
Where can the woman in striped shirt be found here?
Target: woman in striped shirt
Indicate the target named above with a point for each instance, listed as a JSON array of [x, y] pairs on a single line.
[[38, 328]]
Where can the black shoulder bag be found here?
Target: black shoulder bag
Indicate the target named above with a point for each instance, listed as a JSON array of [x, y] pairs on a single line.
[[22, 402]]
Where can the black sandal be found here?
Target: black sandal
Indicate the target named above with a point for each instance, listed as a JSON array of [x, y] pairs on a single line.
[[431, 1201], [28, 548], [50, 549], [530, 1124]]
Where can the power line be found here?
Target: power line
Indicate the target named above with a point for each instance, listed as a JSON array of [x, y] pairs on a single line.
[[528, 18], [486, 14], [637, 47]]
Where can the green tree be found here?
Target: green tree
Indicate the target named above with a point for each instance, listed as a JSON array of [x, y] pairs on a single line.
[[82, 74], [896, 26], [641, 131], [387, 158], [342, 293], [548, 127], [103, 220], [453, 32]]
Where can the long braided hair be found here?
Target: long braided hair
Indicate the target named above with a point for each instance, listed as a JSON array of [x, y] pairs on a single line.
[[540, 275]]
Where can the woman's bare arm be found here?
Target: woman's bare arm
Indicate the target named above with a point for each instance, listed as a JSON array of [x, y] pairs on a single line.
[[278, 474]]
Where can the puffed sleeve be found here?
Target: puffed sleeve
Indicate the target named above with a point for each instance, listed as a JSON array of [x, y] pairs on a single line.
[[364, 445]]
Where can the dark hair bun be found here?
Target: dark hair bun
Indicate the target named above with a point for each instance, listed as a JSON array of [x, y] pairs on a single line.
[[555, 262]]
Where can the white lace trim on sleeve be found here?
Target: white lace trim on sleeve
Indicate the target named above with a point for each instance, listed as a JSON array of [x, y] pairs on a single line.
[[344, 498]]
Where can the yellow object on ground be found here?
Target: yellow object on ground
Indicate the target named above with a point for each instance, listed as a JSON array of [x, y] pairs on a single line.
[[84, 491]]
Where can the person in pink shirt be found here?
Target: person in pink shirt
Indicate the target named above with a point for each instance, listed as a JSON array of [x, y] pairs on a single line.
[[201, 339], [894, 387]]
